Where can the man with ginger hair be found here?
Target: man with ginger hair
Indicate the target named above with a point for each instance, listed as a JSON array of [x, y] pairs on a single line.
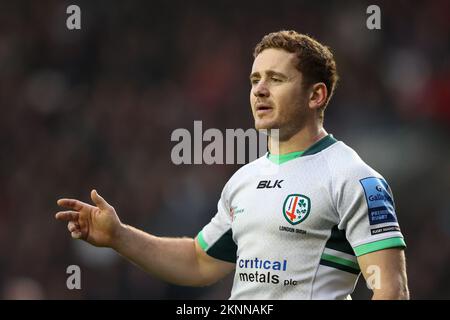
[[305, 232]]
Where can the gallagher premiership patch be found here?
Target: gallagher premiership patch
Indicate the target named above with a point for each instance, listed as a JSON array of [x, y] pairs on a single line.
[[379, 200]]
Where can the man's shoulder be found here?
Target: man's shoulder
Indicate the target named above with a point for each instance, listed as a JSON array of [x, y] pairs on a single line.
[[341, 152], [344, 162]]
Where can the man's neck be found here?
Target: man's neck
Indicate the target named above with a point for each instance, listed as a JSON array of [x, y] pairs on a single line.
[[300, 141]]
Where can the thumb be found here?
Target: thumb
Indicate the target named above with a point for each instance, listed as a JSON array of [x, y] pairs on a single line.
[[98, 200]]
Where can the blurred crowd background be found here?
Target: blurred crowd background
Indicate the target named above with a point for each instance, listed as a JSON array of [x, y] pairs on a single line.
[[95, 108]]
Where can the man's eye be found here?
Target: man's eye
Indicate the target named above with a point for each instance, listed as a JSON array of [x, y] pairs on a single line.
[[276, 80], [254, 81]]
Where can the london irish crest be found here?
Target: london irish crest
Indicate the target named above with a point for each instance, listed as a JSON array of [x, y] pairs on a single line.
[[296, 208]]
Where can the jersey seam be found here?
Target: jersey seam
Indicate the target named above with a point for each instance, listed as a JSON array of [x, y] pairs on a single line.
[[318, 266], [330, 196], [212, 244]]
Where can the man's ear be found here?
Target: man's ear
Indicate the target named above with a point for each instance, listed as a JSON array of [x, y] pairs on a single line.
[[318, 95]]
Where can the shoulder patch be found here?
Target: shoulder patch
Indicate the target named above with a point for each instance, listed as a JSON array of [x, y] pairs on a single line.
[[379, 200]]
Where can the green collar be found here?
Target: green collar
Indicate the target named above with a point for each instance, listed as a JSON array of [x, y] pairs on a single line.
[[320, 145], [282, 158]]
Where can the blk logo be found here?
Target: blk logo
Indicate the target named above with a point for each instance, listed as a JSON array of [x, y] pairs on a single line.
[[269, 185]]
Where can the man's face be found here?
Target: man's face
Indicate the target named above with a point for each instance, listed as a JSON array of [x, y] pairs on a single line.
[[277, 98]]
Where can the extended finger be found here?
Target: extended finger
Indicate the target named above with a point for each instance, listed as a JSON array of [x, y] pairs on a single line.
[[67, 215], [98, 200], [73, 204]]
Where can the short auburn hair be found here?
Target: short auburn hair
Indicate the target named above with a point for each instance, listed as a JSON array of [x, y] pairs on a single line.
[[314, 60]]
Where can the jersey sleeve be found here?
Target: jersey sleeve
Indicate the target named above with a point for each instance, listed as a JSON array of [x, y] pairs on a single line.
[[216, 238], [366, 209]]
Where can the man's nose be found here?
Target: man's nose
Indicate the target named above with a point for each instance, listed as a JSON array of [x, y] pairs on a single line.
[[261, 90]]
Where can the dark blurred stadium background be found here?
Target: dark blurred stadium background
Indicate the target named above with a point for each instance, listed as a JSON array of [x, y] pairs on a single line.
[[95, 108]]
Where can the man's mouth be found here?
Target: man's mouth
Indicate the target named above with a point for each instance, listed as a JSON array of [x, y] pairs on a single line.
[[262, 109]]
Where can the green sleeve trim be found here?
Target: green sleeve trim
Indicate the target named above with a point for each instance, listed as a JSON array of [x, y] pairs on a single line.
[[340, 261], [379, 245], [202, 241]]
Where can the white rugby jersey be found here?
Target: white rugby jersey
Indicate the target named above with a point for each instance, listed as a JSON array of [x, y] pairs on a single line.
[[295, 226]]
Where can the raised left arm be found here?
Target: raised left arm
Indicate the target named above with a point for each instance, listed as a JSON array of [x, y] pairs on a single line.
[[385, 273]]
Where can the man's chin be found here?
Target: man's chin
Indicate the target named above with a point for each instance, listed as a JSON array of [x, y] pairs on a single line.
[[263, 125]]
